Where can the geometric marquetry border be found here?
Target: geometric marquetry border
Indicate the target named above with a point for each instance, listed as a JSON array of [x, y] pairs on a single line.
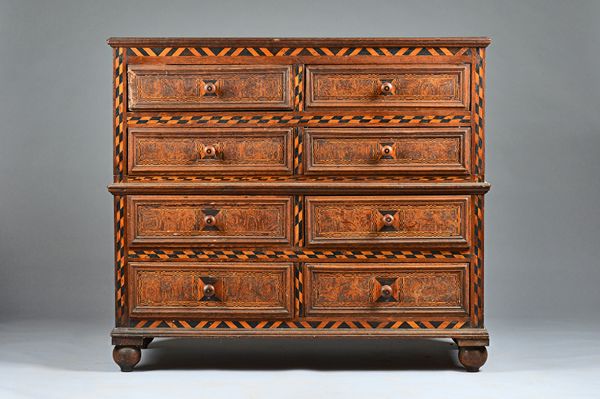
[[297, 168], [120, 260], [298, 119], [299, 87], [298, 222], [119, 113], [298, 290], [290, 255], [319, 324], [477, 264], [478, 113], [296, 51]]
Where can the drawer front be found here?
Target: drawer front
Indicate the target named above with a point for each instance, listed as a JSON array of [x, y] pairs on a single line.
[[388, 151], [211, 290], [202, 151], [385, 290], [204, 87], [388, 86], [439, 221], [209, 221]]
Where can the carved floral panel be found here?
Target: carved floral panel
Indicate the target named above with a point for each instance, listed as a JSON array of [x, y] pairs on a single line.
[[208, 87], [251, 288], [340, 288], [361, 220], [202, 219]]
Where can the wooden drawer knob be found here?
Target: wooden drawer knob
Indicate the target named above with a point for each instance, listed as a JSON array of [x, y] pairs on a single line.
[[209, 290], [210, 88], [210, 220], [386, 150], [213, 151], [210, 151], [386, 291], [387, 88], [388, 219]]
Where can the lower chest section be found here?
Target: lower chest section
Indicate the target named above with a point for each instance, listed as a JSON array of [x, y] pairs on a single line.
[[299, 261]]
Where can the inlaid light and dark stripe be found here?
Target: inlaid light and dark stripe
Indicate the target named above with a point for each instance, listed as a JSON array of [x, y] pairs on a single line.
[[297, 119], [318, 324], [297, 51], [298, 152], [322, 179], [120, 259], [478, 112], [477, 283], [298, 290], [119, 113], [299, 220], [296, 254], [299, 88]]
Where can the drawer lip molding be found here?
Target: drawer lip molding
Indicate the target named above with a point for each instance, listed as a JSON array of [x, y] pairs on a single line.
[[474, 41], [185, 87], [185, 295], [410, 86], [244, 151], [297, 186], [362, 285], [269, 216], [359, 151], [476, 336], [446, 219]]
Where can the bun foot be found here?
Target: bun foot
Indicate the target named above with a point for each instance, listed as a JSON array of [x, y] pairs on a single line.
[[127, 357], [472, 357], [147, 342]]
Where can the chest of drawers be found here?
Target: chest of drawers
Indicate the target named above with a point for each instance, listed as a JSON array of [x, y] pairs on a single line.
[[299, 188]]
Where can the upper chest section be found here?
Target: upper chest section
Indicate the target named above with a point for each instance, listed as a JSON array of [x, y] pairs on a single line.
[[314, 75]]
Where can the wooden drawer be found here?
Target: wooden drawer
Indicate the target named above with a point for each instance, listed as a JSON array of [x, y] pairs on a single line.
[[439, 85], [204, 87], [367, 151], [208, 220], [417, 221], [207, 151], [211, 290], [385, 290]]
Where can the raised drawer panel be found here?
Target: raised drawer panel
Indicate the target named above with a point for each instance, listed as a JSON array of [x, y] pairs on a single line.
[[201, 151], [209, 221], [435, 221], [384, 289], [388, 86], [211, 290], [202, 87], [369, 151]]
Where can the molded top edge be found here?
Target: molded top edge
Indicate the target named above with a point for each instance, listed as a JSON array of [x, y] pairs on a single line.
[[299, 41]]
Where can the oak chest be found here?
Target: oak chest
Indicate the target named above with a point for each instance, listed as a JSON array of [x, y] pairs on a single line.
[[299, 188]]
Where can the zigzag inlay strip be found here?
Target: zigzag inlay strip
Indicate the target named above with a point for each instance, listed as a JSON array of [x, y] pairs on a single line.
[[120, 258], [478, 114], [477, 284], [287, 119], [297, 51], [119, 113], [298, 151], [233, 179], [319, 324], [299, 87], [298, 220], [298, 290], [290, 254]]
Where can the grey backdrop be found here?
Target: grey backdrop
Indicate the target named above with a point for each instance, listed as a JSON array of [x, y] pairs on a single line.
[[543, 137]]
